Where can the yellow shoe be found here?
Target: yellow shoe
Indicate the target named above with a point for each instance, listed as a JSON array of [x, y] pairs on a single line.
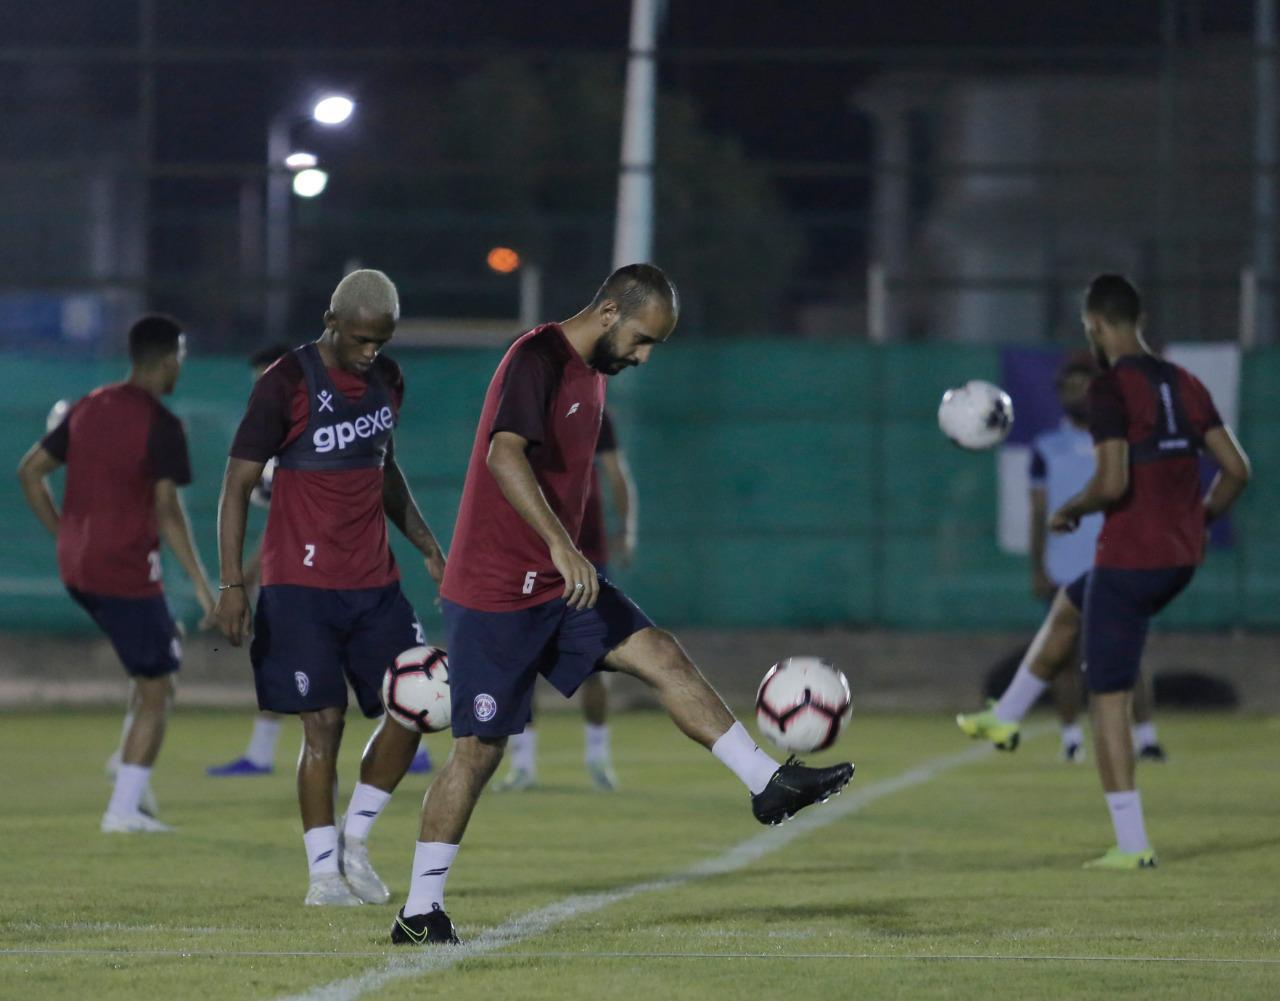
[[985, 725], [1116, 859]]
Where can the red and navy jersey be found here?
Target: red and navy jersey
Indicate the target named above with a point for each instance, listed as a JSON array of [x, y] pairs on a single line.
[[1163, 412], [329, 431], [117, 443], [593, 540], [544, 392]]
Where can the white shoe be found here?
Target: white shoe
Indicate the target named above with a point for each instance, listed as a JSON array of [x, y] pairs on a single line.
[[113, 766], [602, 775], [136, 823], [330, 890], [359, 874], [516, 780]]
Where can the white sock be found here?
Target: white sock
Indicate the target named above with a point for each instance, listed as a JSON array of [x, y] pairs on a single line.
[[1020, 696], [595, 742], [744, 758], [322, 850], [1072, 733], [366, 803], [1126, 818], [523, 748], [262, 744], [431, 861], [1144, 735], [131, 780]]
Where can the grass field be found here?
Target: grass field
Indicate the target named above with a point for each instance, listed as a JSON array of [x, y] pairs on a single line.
[[943, 872]]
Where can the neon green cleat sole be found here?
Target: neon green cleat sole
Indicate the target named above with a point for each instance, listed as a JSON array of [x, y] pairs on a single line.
[[1116, 859], [985, 726]]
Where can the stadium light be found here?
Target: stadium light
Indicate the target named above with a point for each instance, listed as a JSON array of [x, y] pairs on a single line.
[[301, 160], [503, 260], [333, 109], [309, 182]]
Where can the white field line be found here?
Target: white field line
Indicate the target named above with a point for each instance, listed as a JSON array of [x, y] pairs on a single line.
[[774, 956], [415, 961]]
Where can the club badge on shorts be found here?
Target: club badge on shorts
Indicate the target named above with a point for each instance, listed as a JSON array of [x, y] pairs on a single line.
[[303, 683], [484, 707]]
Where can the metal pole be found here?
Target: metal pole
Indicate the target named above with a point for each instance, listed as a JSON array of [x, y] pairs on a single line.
[[278, 183], [1165, 167], [530, 295], [1264, 188], [633, 235], [146, 133]]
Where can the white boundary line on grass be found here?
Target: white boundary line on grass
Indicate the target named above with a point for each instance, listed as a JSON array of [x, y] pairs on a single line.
[[774, 956], [416, 961]]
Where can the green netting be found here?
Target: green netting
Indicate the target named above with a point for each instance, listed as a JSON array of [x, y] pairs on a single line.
[[781, 484]]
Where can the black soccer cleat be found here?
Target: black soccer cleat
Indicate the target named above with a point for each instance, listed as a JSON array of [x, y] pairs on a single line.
[[795, 786], [1152, 752], [424, 929]]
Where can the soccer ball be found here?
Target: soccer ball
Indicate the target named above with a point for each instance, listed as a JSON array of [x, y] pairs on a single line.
[[976, 415], [57, 413], [415, 690], [803, 704]]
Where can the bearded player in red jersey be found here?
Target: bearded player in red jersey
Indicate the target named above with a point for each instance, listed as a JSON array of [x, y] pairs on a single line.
[[126, 456], [520, 599], [330, 610]]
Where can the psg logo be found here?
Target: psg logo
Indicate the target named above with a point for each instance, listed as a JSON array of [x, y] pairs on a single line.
[[484, 707], [302, 681]]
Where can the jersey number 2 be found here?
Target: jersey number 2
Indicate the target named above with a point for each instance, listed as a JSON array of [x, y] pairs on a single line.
[[310, 559]]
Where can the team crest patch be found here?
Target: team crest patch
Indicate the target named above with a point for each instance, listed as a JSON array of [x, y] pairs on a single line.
[[484, 707], [302, 681]]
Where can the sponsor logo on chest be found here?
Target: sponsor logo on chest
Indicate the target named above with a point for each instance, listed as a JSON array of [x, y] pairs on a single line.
[[338, 436]]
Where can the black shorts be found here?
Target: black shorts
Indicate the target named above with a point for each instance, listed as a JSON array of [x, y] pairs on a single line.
[[495, 657], [141, 630], [308, 642], [1118, 608]]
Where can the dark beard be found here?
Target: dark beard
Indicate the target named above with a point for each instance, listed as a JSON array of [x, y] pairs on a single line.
[[604, 356]]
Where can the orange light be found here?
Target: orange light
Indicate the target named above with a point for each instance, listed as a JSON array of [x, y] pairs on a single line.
[[503, 260]]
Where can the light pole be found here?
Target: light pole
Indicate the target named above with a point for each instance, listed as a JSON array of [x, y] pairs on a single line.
[[330, 110], [505, 261]]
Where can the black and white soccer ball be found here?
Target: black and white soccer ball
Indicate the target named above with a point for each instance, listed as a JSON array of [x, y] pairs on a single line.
[[415, 690], [976, 416], [803, 704]]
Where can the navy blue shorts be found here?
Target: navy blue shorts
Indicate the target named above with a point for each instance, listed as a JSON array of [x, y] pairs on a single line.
[[308, 642], [1118, 607], [495, 657], [1075, 591], [141, 630]]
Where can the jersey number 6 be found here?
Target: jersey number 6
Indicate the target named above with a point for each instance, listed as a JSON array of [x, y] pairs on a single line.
[[529, 578]]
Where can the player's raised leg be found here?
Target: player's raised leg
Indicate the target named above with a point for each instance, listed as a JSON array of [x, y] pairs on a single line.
[[777, 791], [1053, 649]]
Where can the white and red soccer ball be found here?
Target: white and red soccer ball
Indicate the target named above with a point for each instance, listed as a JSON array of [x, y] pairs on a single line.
[[803, 704], [976, 416], [415, 690]]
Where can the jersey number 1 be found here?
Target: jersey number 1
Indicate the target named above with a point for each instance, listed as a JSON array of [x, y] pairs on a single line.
[[310, 559]]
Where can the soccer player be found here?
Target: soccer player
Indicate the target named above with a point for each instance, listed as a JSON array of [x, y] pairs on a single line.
[[593, 542], [126, 457], [520, 599], [1149, 420], [330, 608], [1061, 464], [260, 753]]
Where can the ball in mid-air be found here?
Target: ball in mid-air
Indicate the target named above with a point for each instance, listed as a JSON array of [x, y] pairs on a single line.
[[976, 416], [415, 690], [803, 704]]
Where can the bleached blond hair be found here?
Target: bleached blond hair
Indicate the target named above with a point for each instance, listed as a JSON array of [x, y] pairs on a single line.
[[366, 291]]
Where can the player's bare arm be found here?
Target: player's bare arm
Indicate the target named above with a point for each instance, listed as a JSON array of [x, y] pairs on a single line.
[[1234, 472], [33, 473], [1109, 484], [175, 530], [622, 489], [231, 613], [1041, 586], [510, 467], [403, 512]]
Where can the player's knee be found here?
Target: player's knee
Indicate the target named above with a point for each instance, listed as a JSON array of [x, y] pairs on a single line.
[[322, 730], [153, 695], [480, 755]]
